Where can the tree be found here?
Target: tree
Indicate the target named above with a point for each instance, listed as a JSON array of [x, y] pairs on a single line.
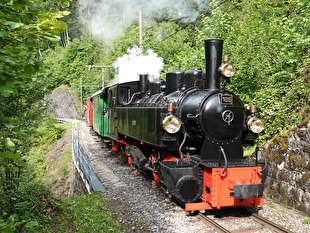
[[268, 42], [24, 31]]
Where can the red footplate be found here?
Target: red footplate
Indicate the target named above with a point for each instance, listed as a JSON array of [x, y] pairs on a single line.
[[236, 187]]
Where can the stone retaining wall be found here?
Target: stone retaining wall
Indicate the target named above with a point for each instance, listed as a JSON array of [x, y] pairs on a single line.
[[288, 158]]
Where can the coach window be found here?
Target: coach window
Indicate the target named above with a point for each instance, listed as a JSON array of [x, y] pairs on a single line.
[[110, 98], [124, 94]]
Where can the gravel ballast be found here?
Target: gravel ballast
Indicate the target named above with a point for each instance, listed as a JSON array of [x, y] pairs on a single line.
[[141, 206]]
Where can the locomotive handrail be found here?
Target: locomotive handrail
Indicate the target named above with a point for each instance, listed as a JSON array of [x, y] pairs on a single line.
[[131, 99], [185, 135], [265, 160], [192, 116], [224, 155]]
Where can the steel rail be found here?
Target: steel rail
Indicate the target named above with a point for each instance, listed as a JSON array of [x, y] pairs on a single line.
[[265, 223], [271, 225], [213, 224]]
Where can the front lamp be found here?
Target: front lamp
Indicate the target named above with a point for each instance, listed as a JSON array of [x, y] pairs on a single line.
[[255, 125], [227, 70], [171, 124]]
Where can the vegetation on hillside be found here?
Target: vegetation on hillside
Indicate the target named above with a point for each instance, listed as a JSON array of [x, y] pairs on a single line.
[[268, 43], [26, 205], [43, 45]]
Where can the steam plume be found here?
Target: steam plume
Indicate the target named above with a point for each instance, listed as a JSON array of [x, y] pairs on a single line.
[[132, 64]]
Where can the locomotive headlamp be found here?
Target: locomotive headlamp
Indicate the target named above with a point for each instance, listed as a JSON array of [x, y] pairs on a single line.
[[255, 125], [227, 70], [171, 124]]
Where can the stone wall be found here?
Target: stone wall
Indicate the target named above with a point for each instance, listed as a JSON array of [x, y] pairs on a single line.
[[288, 158]]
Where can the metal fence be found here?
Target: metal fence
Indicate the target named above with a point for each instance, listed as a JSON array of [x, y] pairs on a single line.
[[81, 160]]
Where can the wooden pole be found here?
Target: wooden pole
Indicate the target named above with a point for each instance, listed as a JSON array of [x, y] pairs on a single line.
[[81, 85]]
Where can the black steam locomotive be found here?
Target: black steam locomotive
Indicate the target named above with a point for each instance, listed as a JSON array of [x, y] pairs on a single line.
[[187, 132]]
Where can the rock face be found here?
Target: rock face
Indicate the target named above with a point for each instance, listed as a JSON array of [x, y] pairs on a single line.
[[61, 104], [288, 158]]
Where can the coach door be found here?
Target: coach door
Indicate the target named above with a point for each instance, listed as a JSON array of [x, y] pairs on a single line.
[[105, 113]]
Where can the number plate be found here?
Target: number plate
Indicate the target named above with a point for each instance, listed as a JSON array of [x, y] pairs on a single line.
[[227, 99]]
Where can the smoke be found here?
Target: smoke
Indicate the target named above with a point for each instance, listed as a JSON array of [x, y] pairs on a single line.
[[132, 64], [108, 19]]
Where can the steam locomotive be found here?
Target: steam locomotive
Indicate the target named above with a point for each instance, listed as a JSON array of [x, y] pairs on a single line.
[[187, 132]]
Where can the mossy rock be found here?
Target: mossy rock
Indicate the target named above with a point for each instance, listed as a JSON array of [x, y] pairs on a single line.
[[297, 161]]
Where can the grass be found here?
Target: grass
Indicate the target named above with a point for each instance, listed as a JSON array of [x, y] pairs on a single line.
[[61, 168], [247, 151], [85, 213], [306, 221], [90, 213], [32, 207], [36, 209]]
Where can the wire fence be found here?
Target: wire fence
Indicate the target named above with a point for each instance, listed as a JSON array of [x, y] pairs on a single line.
[[81, 160]]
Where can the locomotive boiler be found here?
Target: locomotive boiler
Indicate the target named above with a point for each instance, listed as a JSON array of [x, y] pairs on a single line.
[[189, 133]]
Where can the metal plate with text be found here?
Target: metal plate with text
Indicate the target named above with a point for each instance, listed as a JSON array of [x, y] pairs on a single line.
[[226, 99]]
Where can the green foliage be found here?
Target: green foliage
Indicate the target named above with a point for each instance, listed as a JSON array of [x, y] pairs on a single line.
[[90, 213], [25, 204], [26, 207], [306, 221], [33, 208], [24, 29], [74, 214], [69, 65], [19, 113], [44, 139], [268, 43], [48, 132], [74, 29], [13, 223], [173, 42]]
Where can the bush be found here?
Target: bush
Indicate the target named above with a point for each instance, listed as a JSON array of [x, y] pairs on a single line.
[[48, 132], [27, 206]]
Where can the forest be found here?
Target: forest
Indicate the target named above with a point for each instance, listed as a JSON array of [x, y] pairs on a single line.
[[45, 44]]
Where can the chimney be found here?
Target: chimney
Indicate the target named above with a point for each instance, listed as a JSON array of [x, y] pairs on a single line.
[[213, 59]]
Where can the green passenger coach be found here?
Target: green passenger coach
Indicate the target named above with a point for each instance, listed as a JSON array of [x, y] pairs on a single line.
[[100, 114]]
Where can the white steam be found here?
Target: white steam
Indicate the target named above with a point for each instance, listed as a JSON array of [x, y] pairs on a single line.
[[132, 64], [108, 19]]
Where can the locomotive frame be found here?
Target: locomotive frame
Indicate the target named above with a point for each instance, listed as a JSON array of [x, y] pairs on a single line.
[[187, 132]]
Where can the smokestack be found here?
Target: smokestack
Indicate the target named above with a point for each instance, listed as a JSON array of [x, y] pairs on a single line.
[[143, 83], [213, 58]]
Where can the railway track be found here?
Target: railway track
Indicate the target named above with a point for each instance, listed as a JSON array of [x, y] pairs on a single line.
[[245, 224]]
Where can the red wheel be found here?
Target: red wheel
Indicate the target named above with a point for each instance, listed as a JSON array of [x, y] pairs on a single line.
[[156, 179], [114, 146], [129, 160], [155, 175]]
